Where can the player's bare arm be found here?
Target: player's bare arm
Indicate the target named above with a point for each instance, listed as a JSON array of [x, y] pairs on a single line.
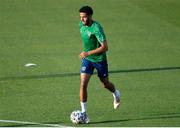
[[101, 49]]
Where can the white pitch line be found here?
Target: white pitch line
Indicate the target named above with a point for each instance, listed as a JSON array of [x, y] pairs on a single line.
[[32, 123]]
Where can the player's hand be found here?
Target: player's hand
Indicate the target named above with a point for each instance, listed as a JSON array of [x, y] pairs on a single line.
[[83, 55]]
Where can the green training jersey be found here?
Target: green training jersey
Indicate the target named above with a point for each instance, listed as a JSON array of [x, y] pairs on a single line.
[[92, 36]]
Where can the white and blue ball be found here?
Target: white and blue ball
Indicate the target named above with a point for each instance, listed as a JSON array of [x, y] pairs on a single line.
[[76, 117]]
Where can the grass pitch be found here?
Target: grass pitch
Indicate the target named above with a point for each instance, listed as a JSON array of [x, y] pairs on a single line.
[[143, 57]]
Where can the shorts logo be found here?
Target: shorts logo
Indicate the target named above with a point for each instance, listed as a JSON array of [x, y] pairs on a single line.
[[83, 68]]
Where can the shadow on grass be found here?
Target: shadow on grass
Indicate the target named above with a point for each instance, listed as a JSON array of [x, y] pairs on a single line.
[[77, 74], [168, 116]]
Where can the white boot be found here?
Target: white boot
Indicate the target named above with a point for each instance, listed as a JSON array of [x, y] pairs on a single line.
[[116, 96]]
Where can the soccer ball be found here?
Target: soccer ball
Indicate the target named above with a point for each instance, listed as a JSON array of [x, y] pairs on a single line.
[[76, 117]]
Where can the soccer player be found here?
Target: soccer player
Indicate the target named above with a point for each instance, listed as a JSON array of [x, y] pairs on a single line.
[[93, 57]]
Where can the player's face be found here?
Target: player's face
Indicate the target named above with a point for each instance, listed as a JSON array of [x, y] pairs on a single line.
[[85, 18]]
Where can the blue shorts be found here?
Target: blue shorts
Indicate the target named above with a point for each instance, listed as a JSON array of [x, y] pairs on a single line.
[[101, 67]]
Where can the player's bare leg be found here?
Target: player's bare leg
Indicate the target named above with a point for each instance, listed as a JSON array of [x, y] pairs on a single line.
[[83, 94], [110, 86], [107, 84], [83, 86]]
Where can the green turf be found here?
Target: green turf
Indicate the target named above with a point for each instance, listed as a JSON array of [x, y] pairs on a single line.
[[144, 50]]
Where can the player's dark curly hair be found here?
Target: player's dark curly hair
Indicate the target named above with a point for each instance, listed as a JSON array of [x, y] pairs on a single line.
[[86, 9]]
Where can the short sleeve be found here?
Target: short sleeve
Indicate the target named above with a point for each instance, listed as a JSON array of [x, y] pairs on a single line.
[[99, 33]]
